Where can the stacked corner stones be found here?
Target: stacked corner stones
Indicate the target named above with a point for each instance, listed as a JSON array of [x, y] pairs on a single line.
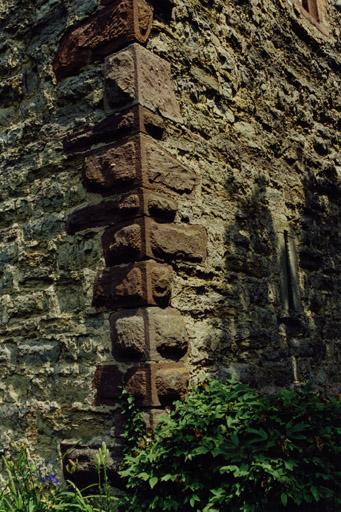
[[139, 184]]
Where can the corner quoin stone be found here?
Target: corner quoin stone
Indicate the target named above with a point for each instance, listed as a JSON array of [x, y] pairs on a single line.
[[144, 238], [148, 334], [107, 382], [110, 28], [134, 162], [135, 75], [83, 459], [105, 213], [146, 283], [136, 119], [137, 79], [157, 384], [171, 382]]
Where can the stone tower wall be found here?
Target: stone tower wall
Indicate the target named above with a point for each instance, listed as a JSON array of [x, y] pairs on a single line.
[[169, 203]]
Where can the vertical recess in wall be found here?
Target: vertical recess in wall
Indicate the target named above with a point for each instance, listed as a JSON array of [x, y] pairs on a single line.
[[138, 184], [289, 275], [290, 297]]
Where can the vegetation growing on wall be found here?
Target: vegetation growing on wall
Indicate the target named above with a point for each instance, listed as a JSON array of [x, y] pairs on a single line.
[[226, 447], [223, 448]]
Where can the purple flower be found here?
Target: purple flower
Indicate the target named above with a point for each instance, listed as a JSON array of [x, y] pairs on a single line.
[[50, 479]]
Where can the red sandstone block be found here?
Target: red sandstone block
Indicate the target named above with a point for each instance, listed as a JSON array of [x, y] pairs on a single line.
[[107, 382], [110, 28], [157, 384], [136, 119], [106, 213], [177, 242], [140, 382], [144, 238], [140, 284], [135, 75], [171, 382], [134, 162], [148, 334]]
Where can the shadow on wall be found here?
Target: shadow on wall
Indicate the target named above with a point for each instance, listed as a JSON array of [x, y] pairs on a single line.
[[280, 319], [318, 357], [258, 352]]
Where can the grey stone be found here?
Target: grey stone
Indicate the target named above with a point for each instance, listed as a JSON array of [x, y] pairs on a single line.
[[150, 334], [38, 352]]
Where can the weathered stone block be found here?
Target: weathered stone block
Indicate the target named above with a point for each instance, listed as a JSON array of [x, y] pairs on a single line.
[[171, 382], [79, 463], [144, 238], [140, 382], [168, 334], [38, 352], [140, 284], [155, 385], [176, 242], [113, 168], [109, 29], [136, 75], [107, 383], [136, 119], [129, 335], [148, 334], [135, 162], [106, 213]]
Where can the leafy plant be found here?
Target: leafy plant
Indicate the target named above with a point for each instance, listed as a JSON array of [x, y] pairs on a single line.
[[28, 489], [135, 427], [225, 447]]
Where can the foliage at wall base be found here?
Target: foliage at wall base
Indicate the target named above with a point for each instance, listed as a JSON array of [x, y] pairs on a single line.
[[226, 447]]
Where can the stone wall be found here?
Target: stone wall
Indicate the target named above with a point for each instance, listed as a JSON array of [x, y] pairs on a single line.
[[234, 196]]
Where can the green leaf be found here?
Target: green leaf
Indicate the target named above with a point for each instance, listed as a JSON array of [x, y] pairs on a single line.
[[315, 493], [168, 477], [263, 436], [235, 439], [144, 476], [153, 481], [193, 500], [284, 499]]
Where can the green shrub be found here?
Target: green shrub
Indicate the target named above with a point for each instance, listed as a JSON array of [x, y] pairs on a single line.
[[226, 447]]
